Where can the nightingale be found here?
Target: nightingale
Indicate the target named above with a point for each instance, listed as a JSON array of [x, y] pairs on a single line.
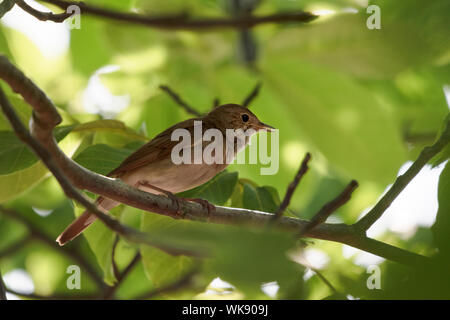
[[152, 169]]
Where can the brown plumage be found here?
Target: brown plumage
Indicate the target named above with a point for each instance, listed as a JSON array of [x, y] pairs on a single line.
[[152, 162]]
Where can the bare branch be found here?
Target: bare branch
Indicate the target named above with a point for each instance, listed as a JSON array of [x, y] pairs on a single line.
[[402, 181], [330, 207], [292, 186], [252, 95], [180, 101], [183, 22], [43, 16]]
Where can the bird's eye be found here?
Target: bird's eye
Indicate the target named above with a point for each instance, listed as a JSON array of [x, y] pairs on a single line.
[[245, 117]]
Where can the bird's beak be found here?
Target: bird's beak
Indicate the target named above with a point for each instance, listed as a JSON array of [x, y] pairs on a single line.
[[263, 126]]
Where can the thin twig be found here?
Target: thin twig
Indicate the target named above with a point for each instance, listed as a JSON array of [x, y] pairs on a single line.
[[183, 282], [324, 280], [37, 234], [2, 288], [43, 16], [183, 22], [329, 208], [402, 181], [292, 186], [109, 292], [113, 254], [180, 101], [252, 95]]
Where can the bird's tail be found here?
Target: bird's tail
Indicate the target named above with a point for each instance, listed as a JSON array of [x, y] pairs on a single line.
[[82, 222]]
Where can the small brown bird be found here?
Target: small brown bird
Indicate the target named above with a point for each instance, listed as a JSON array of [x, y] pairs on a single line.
[[152, 169]]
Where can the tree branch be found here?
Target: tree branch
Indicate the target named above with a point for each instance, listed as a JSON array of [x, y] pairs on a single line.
[[121, 276], [402, 181], [127, 232], [292, 186], [43, 16], [182, 22], [330, 207], [176, 97], [116, 190]]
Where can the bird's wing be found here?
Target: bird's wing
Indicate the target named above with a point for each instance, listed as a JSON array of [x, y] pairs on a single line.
[[158, 148]]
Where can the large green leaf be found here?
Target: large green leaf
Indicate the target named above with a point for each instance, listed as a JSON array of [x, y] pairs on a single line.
[[101, 240], [102, 158], [346, 123], [407, 38], [160, 267], [244, 257], [17, 182]]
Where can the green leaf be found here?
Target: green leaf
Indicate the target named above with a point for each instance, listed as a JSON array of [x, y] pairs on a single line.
[[110, 126], [102, 158], [15, 155], [441, 228], [160, 267], [260, 198], [218, 190], [244, 257], [15, 183], [342, 118], [100, 239]]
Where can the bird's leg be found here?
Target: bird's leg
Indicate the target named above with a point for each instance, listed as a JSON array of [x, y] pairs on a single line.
[[205, 204], [170, 195]]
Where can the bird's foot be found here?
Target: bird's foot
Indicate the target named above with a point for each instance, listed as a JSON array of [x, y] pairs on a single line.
[[176, 200], [205, 204]]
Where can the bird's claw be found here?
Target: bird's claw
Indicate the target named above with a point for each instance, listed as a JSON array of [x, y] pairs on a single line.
[[204, 203]]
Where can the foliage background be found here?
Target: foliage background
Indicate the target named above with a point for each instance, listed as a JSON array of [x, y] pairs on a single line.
[[362, 101]]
